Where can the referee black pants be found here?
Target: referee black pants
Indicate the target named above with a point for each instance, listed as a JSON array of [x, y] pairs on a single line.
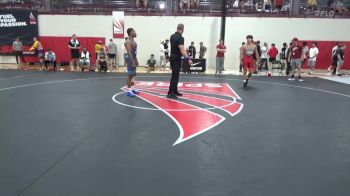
[[175, 73]]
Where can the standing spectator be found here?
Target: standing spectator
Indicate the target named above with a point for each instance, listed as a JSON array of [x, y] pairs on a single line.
[[50, 58], [17, 47], [240, 55], [289, 68], [151, 63], [98, 48], [305, 52], [74, 45], [283, 55], [166, 48], [162, 60], [278, 5], [39, 50], [140, 3], [202, 50], [312, 4], [313, 57], [112, 53], [338, 58], [273, 52], [257, 64], [296, 56], [85, 60], [263, 62], [125, 52], [220, 57], [192, 50]]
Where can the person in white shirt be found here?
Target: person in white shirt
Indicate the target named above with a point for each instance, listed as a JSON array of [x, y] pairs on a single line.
[[162, 60], [85, 58], [313, 53], [264, 50]]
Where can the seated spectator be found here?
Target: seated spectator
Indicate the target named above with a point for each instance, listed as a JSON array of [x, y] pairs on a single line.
[[85, 59], [102, 60], [140, 3], [194, 4], [312, 4], [267, 6], [338, 6], [184, 4], [151, 63], [50, 58]]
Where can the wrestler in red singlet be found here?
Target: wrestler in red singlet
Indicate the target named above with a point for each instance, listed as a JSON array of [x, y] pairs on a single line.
[[248, 60]]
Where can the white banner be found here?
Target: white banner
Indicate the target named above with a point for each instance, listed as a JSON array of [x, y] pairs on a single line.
[[118, 25]]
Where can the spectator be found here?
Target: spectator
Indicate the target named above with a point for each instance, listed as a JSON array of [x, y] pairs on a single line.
[[151, 63], [283, 55], [140, 3], [39, 49], [112, 53], [340, 59], [85, 60], [17, 47], [296, 59], [202, 50], [98, 48], [305, 52], [102, 60], [74, 45], [125, 52], [273, 52], [338, 6], [312, 4], [166, 48], [192, 50], [267, 6], [258, 48], [220, 57], [50, 58], [162, 60], [194, 4], [313, 53], [184, 4], [241, 60], [289, 68], [278, 5], [263, 62]]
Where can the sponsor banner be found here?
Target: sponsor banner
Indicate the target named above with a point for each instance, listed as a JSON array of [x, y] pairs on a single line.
[[18, 23], [118, 25]]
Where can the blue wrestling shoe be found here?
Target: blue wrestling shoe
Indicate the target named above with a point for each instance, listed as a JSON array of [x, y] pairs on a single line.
[[136, 92], [131, 94]]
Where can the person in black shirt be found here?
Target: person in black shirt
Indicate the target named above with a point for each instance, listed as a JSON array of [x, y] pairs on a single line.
[[289, 68], [283, 55], [192, 50], [177, 51], [74, 45], [166, 48]]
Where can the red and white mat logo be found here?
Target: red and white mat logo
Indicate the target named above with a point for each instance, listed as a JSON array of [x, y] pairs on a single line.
[[190, 118]]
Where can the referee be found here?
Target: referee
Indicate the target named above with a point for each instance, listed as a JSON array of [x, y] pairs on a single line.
[[177, 51]]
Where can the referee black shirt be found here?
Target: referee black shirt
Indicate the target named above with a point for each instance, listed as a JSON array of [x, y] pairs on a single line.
[[176, 40]]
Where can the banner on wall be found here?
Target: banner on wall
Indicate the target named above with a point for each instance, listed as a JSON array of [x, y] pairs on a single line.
[[118, 25], [18, 23]]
